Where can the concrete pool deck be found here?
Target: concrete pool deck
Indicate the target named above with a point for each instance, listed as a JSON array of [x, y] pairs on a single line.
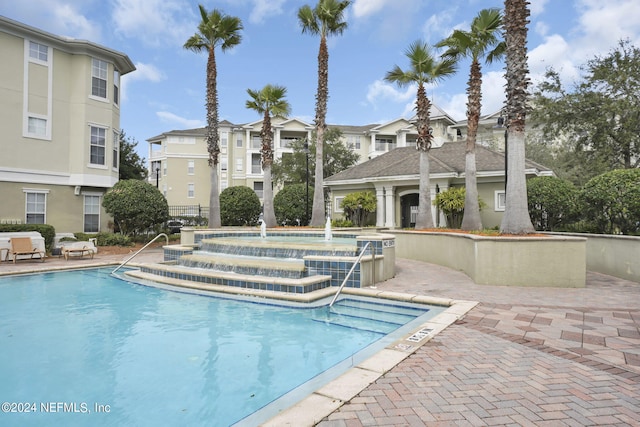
[[521, 356]]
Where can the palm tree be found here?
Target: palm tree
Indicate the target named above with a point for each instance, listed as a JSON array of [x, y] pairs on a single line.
[[325, 19], [480, 42], [424, 69], [215, 29], [267, 101], [516, 218]]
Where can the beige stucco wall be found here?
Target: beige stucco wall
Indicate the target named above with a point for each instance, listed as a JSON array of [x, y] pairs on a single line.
[[617, 256], [506, 261]]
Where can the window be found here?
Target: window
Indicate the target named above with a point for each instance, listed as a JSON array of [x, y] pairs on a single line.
[[224, 163], [239, 165], [98, 146], [224, 137], [116, 87], [256, 163], [191, 167], [239, 141], [36, 207], [99, 78], [500, 200], [337, 204], [38, 51], [384, 144], [91, 214], [116, 150], [353, 142], [37, 127], [191, 190], [258, 187], [256, 142]]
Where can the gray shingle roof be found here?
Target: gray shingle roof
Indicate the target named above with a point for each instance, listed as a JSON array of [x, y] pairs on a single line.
[[447, 159]]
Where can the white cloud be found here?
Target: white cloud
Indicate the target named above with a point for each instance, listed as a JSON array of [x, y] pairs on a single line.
[[183, 122], [143, 72], [380, 91], [264, 9], [537, 7], [155, 22], [362, 8], [605, 23]]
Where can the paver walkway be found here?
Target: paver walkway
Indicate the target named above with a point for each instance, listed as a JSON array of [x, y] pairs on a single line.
[[523, 356]]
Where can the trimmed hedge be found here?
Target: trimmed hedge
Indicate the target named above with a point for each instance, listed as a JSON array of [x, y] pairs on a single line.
[[47, 231]]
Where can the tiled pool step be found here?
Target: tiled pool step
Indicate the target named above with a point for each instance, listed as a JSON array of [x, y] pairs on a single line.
[[276, 249], [247, 281], [272, 267]]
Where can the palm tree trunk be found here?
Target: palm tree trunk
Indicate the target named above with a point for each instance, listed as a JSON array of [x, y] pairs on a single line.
[[269, 214], [214, 199], [212, 139], [471, 219], [425, 217], [317, 213], [516, 218]]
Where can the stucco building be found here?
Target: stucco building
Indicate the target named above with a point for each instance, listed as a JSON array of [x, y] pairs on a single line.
[[60, 120]]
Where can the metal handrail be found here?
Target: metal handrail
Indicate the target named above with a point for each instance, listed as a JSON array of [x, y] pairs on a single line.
[[373, 270], [140, 250]]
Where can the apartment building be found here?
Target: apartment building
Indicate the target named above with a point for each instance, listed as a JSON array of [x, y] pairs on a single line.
[[60, 121]]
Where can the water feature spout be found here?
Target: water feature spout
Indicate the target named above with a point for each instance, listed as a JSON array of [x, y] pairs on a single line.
[[263, 229], [327, 230]]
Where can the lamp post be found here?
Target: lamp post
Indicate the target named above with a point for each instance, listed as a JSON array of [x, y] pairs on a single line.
[[306, 199], [157, 175]]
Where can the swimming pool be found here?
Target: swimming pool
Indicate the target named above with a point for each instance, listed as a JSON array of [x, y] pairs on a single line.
[[81, 347]]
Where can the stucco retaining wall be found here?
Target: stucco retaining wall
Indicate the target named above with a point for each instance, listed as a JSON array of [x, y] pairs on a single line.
[[554, 261], [613, 255]]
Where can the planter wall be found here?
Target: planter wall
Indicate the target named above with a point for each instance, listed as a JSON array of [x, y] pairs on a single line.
[[553, 261]]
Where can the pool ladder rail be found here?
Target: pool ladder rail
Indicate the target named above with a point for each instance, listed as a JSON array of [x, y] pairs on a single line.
[[353, 267], [140, 250]]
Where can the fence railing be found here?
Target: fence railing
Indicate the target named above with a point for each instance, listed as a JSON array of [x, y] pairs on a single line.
[[189, 211]]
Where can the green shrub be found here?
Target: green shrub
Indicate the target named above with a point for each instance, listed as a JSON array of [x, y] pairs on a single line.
[[239, 206], [611, 201], [341, 223], [113, 239], [136, 206], [358, 206], [45, 230], [290, 207], [552, 202]]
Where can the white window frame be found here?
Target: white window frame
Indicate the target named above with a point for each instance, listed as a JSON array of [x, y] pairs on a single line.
[[224, 139], [191, 167], [499, 200], [239, 165], [116, 87], [37, 126], [99, 70], [92, 206], [224, 163], [37, 203], [259, 191], [337, 204], [115, 161], [239, 141], [38, 52], [191, 190], [100, 142]]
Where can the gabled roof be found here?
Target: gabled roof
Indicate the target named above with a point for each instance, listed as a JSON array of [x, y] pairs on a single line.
[[449, 159]]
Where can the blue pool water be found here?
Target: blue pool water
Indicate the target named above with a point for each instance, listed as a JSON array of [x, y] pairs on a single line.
[[84, 348]]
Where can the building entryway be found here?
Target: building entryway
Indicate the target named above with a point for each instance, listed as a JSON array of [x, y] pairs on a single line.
[[409, 210]]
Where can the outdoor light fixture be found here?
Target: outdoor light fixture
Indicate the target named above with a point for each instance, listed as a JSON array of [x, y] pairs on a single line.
[[157, 175]]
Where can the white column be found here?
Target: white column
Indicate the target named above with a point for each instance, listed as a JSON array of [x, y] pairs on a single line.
[[390, 218], [380, 207]]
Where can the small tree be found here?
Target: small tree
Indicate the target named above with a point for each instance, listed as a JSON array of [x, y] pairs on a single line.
[[131, 165], [451, 203], [358, 206], [552, 202], [239, 206], [136, 206], [612, 201], [290, 205]]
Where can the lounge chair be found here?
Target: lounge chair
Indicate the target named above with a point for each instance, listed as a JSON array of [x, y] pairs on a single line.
[[76, 250], [23, 246]]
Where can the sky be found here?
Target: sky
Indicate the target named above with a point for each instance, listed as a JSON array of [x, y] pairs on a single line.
[[167, 90]]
